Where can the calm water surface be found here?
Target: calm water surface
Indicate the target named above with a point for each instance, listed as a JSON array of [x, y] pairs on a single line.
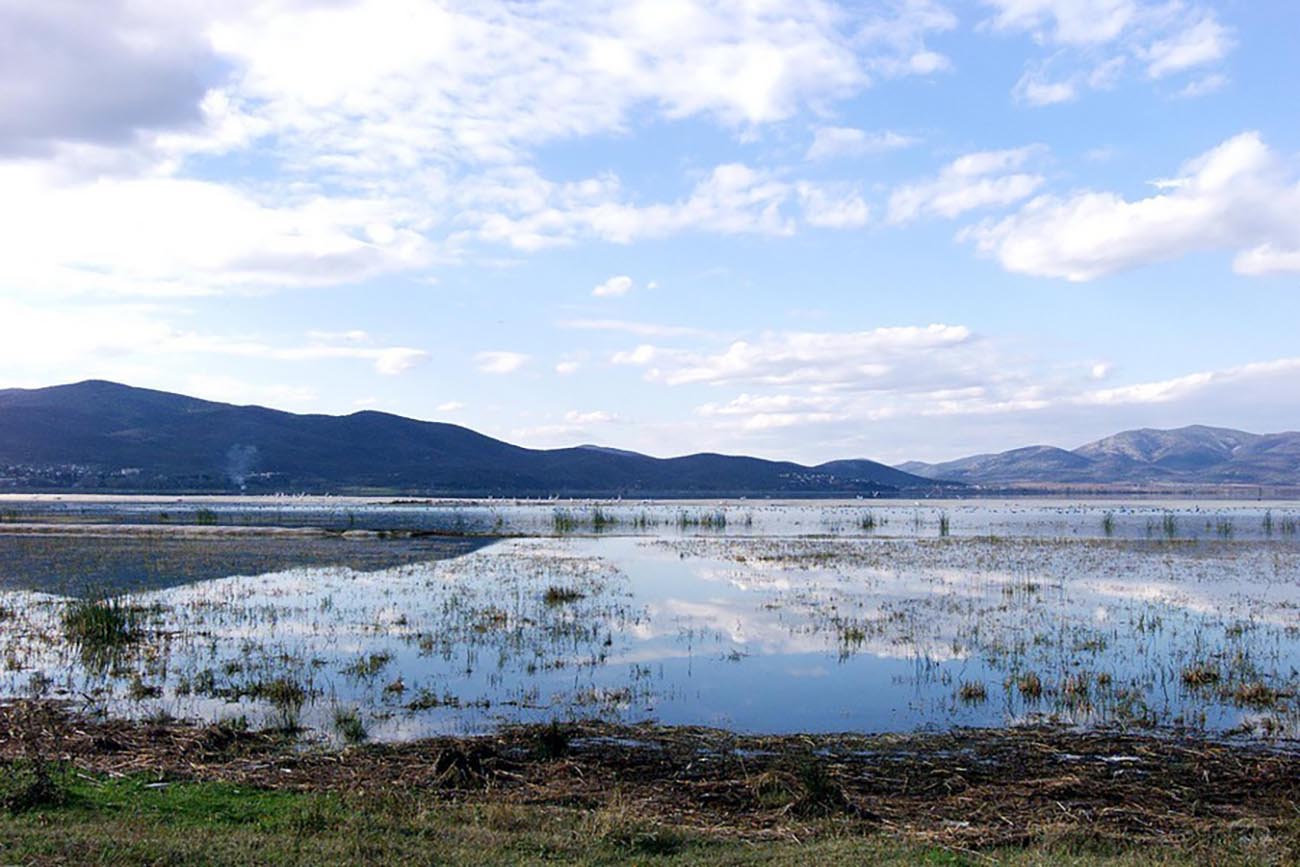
[[771, 619]]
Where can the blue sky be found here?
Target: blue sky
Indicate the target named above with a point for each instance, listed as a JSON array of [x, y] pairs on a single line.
[[802, 230]]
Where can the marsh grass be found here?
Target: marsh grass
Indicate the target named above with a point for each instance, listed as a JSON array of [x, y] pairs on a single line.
[[368, 665], [556, 596], [1030, 685], [102, 627], [349, 725], [552, 742], [1201, 674]]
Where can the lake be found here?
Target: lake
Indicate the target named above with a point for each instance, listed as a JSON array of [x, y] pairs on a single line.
[[868, 616]]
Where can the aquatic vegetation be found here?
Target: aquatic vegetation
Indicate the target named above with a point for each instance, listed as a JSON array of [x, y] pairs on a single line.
[[556, 595], [1201, 674], [666, 617], [368, 665], [1030, 686], [349, 725], [101, 625]]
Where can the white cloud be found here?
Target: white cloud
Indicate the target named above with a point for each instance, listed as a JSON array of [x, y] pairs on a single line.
[[1068, 22], [598, 416], [519, 208], [1237, 196], [976, 180], [1251, 379], [614, 287], [169, 236], [1033, 90], [501, 362], [641, 329], [1092, 41], [108, 339], [831, 142], [833, 207], [379, 161], [1202, 86], [229, 389], [1204, 42], [642, 355], [897, 393], [1267, 259], [858, 360], [392, 362], [487, 81], [450, 406], [567, 368], [896, 31]]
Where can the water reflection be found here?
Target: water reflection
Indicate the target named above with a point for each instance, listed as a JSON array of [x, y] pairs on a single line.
[[757, 633]]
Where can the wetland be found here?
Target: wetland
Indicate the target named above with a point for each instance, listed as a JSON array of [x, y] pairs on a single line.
[[800, 651]]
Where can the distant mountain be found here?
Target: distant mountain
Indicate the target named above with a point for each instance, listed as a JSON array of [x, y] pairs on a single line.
[[101, 436], [1188, 455]]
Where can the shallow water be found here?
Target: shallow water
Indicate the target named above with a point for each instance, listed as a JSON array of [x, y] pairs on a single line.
[[791, 619]]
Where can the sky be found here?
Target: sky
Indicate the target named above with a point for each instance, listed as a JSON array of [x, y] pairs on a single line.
[[893, 229]]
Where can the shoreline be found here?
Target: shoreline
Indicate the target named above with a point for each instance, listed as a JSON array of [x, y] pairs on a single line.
[[973, 788]]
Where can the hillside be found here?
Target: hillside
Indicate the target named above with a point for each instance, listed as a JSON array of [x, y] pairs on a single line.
[[104, 436], [1188, 455]]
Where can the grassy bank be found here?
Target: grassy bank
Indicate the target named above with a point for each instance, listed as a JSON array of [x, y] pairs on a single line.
[[75, 790], [138, 820]]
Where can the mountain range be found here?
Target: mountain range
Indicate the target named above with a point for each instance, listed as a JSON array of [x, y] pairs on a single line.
[[102, 436], [1189, 455]]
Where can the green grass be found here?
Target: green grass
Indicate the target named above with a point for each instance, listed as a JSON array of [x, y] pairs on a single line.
[[101, 625], [138, 820]]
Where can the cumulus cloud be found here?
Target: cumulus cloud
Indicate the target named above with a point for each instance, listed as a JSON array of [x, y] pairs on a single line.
[[103, 79], [1238, 196], [614, 287], [501, 362], [976, 180], [383, 156]]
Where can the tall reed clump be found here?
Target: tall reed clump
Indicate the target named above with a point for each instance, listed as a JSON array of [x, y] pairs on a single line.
[[104, 624]]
